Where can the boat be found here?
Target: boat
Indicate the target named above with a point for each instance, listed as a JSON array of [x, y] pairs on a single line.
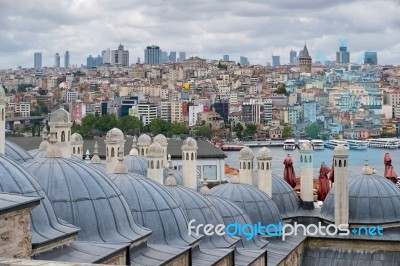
[[333, 143], [355, 144], [231, 147], [317, 144], [289, 144], [385, 143]]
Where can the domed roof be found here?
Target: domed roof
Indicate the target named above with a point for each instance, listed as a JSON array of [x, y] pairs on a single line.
[[99, 166], [231, 213], [155, 149], [161, 139], [115, 134], [44, 144], [154, 212], [264, 154], [257, 204], [199, 208], [60, 116], [189, 143], [41, 153], [246, 153], [16, 152], [144, 140], [340, 150], [45, 228], [306, 146], [372, 200], [76, 138], [85, 197]]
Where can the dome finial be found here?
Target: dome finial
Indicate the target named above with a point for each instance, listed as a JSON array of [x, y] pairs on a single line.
[[171, 180], [235, 177], [366, 170], [204, 190], [95, 158], [87, 158], [134, 150], [120, 168], [45, 139], [53, 150]]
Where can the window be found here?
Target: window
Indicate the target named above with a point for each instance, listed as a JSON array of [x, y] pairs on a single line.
[[73, 150], [249, 165], [192, 156], [210, 171], [62, 136], [112, 152]]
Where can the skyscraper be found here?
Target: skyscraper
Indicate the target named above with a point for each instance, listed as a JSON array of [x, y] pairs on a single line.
[[343, 56], [371, 58], [293, 58], [163, 57], [305, 60], [120, 56], [57, 60], [106, 55], [244, 61], [276, 60], [37, 60], [172, 56], [182, 56], [225, 57], [94, 61], [152, 55], [66, 59]]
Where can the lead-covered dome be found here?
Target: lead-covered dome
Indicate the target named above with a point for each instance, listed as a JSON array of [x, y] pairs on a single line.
[[155, 208], [76, 138], [155, 149], [60, 116], [246, 153], [254, 202], [161, 139], [373, 199], [17, 153], [85, 197], [264, 154], [115, 134], [189, 143], [45, 227], [144, 140], [340, 150]]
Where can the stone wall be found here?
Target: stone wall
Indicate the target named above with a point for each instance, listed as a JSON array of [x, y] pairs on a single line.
[[259, 262], [182, 260], [295, 257], [227, 261], [15, 236], [118, 259]]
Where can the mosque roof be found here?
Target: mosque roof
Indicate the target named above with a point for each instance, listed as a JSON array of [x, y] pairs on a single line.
[[16, 152]]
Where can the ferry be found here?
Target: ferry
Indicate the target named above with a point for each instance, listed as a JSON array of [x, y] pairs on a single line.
[[231, 147], [317, 144], [385, 143], [333, 143], [289, 144], [355, 144]]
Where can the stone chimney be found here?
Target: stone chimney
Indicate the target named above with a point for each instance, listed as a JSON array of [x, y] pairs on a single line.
[[264, 173], [134, 149], [189, 163], [45, 139], [144, 141], [162, 140], [306, 175], [95, 157], [114, 141], [60, 123], [77, 145], [155, 163], [246, 166], [340, 161]]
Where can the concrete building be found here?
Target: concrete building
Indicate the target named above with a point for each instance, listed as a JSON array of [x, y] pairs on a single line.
[[37, 60], [251, 112], [276, 60], [343, 56], [120, 56], [193, 111], [268, 112], [371, 58], [22, 109], [57, 63], [66, 60], [310, 111]]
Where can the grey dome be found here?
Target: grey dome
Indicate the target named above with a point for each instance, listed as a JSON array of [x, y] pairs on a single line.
[[246, 153], [85, 197], [155, 208], [114, 134], [161, 139], [99, 166], [76, 138], [373, 199], [45, 228], [231, 213], [189, 143], [60, 116], [283, 195], [16, 152], [257, 204], [41, 153], [197, 207], [144, 140]]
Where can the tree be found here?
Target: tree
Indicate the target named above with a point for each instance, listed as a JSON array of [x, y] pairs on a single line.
[[106, 122], [281, 89], [287, 132], [250, 130], [130, 125], [177, 128], [204, 131], [313, 130], [158, 126], [238, 130]]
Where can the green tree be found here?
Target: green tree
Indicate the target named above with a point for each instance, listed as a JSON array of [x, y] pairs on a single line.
[[204, 131], [106, 122], [88, 126], [22, 87], [43, 108], [281, 88], [287, 132], [238, 130], [177, 128], [158, 126], [313, 130], [250, 130], [130, 125]]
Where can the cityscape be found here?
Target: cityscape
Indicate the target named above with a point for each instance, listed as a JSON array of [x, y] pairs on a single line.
[[184, 133]]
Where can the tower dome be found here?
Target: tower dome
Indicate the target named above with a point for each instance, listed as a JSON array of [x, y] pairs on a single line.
[[85, 197], [155, 149], [60, 116], [189, 143], [161, 139], [45, 227], [373, 199], [254, 202], [17, 153], [76, 138], [246, 153], [114, 134], [264, 154], [154, 212], [144, 140]]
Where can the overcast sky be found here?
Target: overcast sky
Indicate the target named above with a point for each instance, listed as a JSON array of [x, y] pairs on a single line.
[[206, 28]]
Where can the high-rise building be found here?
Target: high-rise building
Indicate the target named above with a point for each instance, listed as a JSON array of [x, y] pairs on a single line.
[[268, 112], [106, 55], [172, 56], [276, 60], [182, 56], [119, 57], [66, 59], [164, 57], [37, 60], [293, 58], [152, 55], [343, 56], [94, 61], [244, 61], [57, 60], [305, 60], [225, 57], [371, 58]]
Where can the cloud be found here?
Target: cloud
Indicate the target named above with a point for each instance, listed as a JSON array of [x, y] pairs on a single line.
[[255, 28]]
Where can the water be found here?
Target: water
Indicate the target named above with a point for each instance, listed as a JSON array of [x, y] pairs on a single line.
[[356, 159]]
